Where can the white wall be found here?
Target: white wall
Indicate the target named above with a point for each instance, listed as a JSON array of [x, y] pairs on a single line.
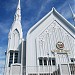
[[42, 39]]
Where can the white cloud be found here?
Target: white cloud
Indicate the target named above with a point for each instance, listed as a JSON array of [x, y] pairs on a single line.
[[42, 8], [2, 70], [2, 63], [2, 52], [65, 9], [11, 5], [28, 3], [10, 8], [2, 59], [3, 28]]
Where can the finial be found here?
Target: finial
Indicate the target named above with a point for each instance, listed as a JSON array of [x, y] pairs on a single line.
[[18, 5]]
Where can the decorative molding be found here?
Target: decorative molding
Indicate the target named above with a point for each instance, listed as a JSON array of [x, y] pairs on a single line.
[[60, 51], [60, 45]]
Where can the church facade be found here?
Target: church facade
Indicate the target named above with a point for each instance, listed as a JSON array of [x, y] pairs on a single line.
[[49, 48]]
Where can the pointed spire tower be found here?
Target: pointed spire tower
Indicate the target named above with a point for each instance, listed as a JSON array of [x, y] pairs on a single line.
[[18, 13], [14, 41], [16, 26]]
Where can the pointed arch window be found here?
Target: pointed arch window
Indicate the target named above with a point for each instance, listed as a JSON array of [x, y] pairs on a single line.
[[16, 38]]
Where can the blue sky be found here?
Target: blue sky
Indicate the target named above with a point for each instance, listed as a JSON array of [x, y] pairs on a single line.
[[32, 11]]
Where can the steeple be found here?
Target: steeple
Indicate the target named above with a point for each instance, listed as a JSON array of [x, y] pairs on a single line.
[[17, 21], [17, 16]]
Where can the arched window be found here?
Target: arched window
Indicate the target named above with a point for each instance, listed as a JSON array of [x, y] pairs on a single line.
[[16, 38]]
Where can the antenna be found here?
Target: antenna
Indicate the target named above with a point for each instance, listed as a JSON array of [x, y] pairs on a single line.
[[73, 14]]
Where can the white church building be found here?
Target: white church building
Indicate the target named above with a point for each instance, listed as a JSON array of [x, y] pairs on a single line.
[[49, 47]]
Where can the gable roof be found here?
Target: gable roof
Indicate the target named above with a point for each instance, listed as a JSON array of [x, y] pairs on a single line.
[[53, 11]]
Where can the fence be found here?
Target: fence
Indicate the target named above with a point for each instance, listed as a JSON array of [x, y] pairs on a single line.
[[40, 70], [32, 70], [44, 70]]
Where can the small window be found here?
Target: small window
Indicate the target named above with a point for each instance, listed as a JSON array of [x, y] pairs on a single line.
[[49, 61], [51, 74], [45, 61], [16, 57], [11, 58], [72, 60], [53, 61], [72, 72], [40, 62]]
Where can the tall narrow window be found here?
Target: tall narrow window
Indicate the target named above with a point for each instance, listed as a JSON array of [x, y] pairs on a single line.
[[53, 61], [16, 57], [45, 61], [40, 62], [49, 61], [15, 39], [11, 58]]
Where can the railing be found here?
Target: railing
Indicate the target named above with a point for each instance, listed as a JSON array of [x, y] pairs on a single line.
[[49, 70], [34, 70], [40, 70]]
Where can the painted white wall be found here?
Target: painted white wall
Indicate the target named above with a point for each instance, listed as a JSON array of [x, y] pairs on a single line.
[[15, 35], [14, 43], [42, 39], [15, 38]]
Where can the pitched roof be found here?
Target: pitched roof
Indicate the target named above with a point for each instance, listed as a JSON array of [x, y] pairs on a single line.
[[67, 23]]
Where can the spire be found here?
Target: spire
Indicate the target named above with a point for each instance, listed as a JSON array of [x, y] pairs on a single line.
[[17, 16]]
